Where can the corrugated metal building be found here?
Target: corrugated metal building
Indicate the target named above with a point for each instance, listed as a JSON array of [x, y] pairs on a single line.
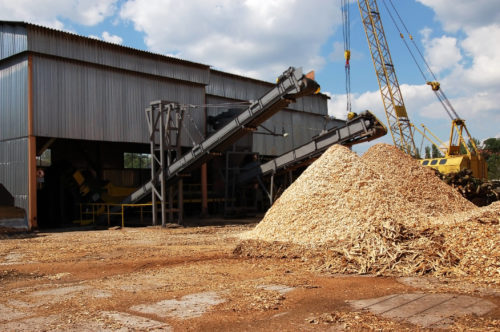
[[85, 100]]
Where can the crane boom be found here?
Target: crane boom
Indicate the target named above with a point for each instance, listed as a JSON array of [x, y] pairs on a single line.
[[395, 110]]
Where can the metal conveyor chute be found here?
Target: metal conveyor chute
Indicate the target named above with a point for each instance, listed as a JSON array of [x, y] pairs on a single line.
[[365, 127], [291, 85]]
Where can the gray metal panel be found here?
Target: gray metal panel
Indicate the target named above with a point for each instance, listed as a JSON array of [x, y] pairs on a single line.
[[275, 145], [74, 100], [243, 88], [236, 87], [75, 47], [13, 99], [301, 127], [221, 105], [14, 170], [13, 40]]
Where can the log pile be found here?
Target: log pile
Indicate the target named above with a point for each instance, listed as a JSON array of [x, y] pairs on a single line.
[[480, 192], [383, 214]]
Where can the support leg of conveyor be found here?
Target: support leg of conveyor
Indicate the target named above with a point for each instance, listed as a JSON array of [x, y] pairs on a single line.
[[271, 190]]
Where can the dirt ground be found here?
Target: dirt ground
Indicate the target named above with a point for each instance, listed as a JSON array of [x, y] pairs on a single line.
[[178, 279]]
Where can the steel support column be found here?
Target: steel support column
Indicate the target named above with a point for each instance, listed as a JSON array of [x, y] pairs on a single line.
[[164, 123]]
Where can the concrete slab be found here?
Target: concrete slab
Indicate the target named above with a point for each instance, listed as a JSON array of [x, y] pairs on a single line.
[[388, 304], [426, 310], [363, 304], [31, 324], [282, 289], [455, 306], [8, 313], [57, 295], [61, 291], [189, 306], [12, 258], [134, 323], [417, 305]]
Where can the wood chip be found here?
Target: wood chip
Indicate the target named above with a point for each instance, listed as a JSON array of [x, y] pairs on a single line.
[[382, 213]]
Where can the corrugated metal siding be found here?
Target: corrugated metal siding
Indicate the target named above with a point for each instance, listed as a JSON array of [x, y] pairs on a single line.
[[13, 99], [13, 40], [230, 86], [241, 88], [70, 46], [14, 170], [317, 104], [223, 104], [275, 145], [243, 143], [301, 127], [73, 100]]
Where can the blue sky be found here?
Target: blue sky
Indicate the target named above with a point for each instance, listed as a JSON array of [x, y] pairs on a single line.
[[261, 39]]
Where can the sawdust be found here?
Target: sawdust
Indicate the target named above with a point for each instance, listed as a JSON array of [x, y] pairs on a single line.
[[383, 214]]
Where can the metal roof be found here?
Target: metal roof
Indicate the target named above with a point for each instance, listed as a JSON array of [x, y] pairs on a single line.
[[117, 46]]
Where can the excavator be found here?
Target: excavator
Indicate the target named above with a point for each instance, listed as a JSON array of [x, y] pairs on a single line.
[[458, 155]]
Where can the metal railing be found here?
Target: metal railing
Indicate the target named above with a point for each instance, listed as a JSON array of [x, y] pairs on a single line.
[[98, 209]]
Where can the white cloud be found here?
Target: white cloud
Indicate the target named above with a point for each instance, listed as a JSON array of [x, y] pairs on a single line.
[[418, 100], [464, 14], [482, 46], [441, 53], [369, 100], [106, 36], [50, 12], [338, 52], [254, 38], [472, 82]]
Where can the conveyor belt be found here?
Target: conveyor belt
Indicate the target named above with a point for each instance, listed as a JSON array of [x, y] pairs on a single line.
[[365, 127], [291, 85]]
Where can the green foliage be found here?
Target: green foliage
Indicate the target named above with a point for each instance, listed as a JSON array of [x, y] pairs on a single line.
[[136, 160], [427, 152], [491, 151], [492, 145], [436, 153], [493, 162], [476, 142], [417, 153], [470, 146], [45, 159]]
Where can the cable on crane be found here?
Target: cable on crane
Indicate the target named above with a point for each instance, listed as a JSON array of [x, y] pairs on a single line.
[[346, 31], [413, 41], [445, 102]]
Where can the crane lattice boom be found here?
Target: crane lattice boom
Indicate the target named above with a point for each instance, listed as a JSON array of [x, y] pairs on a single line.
[[395, 110]]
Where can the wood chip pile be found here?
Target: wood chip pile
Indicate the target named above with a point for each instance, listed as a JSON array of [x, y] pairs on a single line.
[[383, 214]]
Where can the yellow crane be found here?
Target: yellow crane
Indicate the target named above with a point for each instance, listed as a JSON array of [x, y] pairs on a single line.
[[395, 110], [458, 154]]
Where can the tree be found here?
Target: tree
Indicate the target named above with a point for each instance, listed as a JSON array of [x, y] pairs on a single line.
[[469, 145], [493, 167], [476, 142], [492, 145], [491, 151], [417, 153], [435, 152], [427, 152]]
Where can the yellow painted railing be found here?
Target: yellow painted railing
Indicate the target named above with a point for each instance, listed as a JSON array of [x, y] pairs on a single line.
[[97, 209]]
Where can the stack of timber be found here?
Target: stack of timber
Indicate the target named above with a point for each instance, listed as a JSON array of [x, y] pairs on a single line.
[[381, 214], [479, 192]]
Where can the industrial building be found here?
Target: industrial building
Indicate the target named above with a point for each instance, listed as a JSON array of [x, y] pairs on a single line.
[[71, 103]]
